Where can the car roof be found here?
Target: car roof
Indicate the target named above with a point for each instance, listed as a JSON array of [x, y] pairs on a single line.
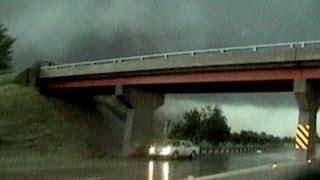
[[177, 140]]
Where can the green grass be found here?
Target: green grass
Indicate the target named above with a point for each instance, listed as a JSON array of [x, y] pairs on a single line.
[[33, 124], [28, 121], [8, 78]]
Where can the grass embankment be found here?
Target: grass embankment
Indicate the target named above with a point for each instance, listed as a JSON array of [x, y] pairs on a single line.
[[32, 124], [7, 78]]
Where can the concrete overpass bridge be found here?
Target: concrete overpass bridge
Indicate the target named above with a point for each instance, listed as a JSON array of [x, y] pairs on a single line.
[[142, 81]]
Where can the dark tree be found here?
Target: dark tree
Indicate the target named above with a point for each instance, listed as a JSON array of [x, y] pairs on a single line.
[[192, 125], [6, 43], [214, 126], [189, 128], [235, 138], [178, 131], [250, 137], [209, 124]]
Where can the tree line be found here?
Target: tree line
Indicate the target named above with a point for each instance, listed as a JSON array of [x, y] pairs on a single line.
[[6, 42], [210, 125]]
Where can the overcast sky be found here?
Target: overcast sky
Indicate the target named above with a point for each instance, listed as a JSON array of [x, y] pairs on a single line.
[[82, 30], [273, 113]]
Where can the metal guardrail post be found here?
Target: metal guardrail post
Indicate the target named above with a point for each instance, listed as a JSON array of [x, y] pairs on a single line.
[[255, 49]]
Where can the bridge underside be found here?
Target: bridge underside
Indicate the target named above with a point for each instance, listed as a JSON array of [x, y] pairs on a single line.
[[219, 87]]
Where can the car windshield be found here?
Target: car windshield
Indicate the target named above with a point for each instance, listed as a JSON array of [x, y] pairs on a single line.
[[170, 143]]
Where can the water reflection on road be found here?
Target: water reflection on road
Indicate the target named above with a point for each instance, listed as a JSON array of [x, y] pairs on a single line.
[[212, 164], [165, 170], [152, 170]]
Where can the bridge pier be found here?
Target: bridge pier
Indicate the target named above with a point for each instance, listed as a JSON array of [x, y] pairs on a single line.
[[307, 100], [139, 129]]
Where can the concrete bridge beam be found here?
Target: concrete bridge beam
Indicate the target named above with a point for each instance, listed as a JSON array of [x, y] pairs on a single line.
[[307, 100], [139, 128]]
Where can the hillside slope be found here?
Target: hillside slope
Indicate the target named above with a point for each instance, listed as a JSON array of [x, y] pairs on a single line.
[[31, 123]]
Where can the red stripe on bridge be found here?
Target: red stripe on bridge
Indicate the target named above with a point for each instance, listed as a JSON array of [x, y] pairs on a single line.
[[192, 77]]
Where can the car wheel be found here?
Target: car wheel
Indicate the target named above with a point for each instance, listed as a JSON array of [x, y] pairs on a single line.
[[192, 155], [175, 155]]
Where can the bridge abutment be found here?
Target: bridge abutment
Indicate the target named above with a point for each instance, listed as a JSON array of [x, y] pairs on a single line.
[[307, 100], [139, 125]]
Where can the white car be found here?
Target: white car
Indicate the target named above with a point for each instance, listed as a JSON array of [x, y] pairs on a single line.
[[174, 149]]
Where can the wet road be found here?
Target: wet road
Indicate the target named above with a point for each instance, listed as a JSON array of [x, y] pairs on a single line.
[[149, 170]]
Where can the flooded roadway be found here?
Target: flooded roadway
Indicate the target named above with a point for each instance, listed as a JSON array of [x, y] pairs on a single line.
[[149, 170]]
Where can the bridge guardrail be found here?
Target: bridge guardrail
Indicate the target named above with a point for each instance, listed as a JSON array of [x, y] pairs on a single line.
[[254, 48]]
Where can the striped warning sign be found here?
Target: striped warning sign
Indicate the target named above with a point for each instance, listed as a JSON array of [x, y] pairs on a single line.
[[302, 138]]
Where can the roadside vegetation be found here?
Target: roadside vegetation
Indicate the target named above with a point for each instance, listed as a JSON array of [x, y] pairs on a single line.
[[7, 78], [208, 127], [6, 42]]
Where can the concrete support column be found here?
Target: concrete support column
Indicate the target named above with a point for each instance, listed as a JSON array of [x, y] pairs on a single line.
[[307, 100], [139, 129]]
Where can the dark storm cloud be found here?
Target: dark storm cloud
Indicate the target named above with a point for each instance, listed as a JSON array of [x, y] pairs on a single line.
[[79, 30]]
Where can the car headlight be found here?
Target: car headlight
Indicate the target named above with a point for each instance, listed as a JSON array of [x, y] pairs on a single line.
[[152, 150], [166, 150]]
